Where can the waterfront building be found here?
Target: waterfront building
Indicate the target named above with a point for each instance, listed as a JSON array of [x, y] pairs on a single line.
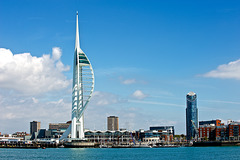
[[233, 131], [215, 130], [221, 133], [57, 129], [10, 139], [207, 129], [116, 137], [34, 126], [112, 123], [191, 116], [161, 135], [82, 89], [207, 132], [151, 140], [216, 122], [41, 133], [168, 129], [20, 134]]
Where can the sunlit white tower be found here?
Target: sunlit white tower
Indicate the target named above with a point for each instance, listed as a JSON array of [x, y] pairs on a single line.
[[83, 85]]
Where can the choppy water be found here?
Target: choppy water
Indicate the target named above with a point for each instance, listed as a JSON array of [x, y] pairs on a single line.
[[188, 153]]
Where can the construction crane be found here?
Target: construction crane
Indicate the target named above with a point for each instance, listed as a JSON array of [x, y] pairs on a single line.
[[133, 139], [195, 128]]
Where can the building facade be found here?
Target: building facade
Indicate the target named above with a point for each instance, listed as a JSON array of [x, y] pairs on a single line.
[[221, 133], [216, 122], [20, 134], [112, 123], [168, 129], [155, 134], [57, 129], [116, 137], [208, 129], [207, 132], [214, 130], [234, 131], [191, 116], [34, 126]]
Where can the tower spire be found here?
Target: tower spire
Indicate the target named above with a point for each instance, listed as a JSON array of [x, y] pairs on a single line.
[[77, 42]]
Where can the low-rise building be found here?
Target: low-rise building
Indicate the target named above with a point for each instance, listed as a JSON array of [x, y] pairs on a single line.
[[169, 129], [233, 131], [162, 133], [216, 122], [221, 133], [20, 134], [116, 137], [207, 132], [215, 130], [151, 140]]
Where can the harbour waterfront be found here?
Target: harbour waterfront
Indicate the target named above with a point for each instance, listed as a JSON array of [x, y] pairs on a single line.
[[187, 153]]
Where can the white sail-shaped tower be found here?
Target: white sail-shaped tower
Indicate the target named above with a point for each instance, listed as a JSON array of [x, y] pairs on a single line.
[[83, 85]]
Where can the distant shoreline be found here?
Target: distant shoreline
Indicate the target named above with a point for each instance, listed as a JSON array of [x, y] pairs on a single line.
[[216, 143]]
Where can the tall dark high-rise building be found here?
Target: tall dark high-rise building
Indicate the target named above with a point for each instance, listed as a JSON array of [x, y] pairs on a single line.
[[191, 116], [112, 122], [34, 126]]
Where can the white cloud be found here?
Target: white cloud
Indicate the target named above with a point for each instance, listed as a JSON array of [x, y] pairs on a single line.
[[21, 101], [156, 103], [32, 75], [35, 100], [129, 117], [220, 101], [15, 116], [104, 98], [56, 53], [8, 116], [162, 122], [60, 101], [1, 99], [230, 71], [128, 81], [138, 94]]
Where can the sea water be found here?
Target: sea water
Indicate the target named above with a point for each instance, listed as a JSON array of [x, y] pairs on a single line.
[[185, 153]]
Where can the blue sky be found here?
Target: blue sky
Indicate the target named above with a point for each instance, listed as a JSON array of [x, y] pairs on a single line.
[[147, 55]]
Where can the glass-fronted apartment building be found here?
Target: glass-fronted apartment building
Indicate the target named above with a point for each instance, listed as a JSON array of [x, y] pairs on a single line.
[[191, 116]]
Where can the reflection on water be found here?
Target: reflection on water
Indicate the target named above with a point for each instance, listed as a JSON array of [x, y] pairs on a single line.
[[79, 153]]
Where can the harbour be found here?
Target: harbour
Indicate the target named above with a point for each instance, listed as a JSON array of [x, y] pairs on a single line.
[[87, 144]]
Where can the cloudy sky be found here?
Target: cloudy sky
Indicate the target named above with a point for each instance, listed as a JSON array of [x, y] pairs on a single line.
[[146, 54]]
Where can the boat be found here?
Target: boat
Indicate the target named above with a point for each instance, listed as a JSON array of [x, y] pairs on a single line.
[[62, 146]]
